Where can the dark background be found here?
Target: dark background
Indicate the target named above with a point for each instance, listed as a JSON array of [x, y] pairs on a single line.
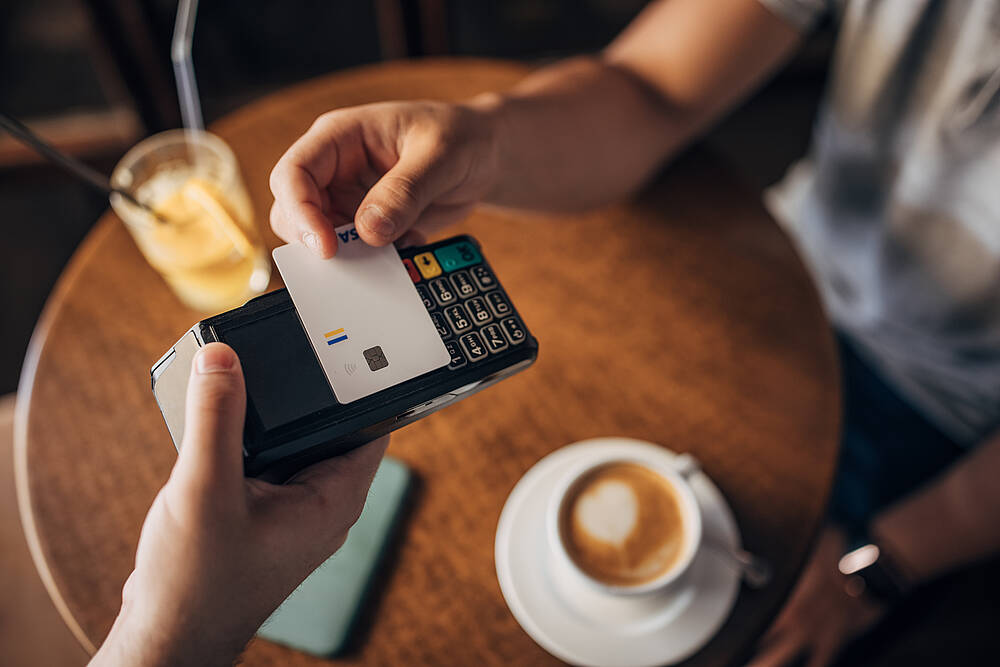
[[94, 76]]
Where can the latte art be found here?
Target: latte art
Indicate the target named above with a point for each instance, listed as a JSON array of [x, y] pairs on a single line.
[[623, 524], [607, 512]]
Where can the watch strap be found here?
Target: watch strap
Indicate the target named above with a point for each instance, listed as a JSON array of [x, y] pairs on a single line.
[[872, 566]]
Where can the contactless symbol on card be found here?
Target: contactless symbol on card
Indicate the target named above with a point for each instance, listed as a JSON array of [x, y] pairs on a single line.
[[335, 336]]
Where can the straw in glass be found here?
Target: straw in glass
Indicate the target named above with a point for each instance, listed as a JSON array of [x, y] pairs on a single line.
[[180, 54]]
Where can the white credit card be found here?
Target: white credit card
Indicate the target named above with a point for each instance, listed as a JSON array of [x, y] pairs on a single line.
[[362, 315]]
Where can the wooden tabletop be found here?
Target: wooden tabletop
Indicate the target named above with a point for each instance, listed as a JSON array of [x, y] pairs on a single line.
[[684, 318]]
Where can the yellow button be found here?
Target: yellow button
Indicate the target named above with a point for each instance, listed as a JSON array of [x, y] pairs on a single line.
[[428, 266]]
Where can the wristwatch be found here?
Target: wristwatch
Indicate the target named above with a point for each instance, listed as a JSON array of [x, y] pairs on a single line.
[[870, 571]]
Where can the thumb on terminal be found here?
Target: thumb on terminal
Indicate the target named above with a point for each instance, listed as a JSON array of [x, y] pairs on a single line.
[[211, 454]]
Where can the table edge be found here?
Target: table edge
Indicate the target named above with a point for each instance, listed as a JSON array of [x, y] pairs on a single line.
[[384, 68], [104, 226], [25, 386]]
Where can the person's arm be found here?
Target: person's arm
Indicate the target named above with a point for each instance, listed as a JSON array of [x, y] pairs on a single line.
[[592, 130], [219, 552], [951, 522], [577, 134]]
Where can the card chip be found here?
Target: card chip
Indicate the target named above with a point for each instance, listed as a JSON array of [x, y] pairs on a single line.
[[375, 358]]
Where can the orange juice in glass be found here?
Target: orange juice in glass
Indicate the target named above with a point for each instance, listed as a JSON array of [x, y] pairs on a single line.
[[205, 244]]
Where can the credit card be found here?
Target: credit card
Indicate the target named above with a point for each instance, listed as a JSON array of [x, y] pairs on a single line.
[[363, 317]]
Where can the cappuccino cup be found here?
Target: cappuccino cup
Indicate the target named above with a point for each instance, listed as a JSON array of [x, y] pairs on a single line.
[[626, 526]]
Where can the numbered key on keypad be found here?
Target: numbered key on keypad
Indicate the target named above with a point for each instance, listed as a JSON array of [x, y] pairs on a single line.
[[513, 329], [425, 296], [494, 338], [473, 345], [462, 283], [477, 308], [440, 324], [498, 303], [442, 291], [484, 278], [457, 356], [458, 318]]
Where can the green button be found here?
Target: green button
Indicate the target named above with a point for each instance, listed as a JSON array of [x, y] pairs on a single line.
[[457, 256]]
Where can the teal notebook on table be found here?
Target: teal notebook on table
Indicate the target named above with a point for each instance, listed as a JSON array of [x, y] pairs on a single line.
[[317, 617]]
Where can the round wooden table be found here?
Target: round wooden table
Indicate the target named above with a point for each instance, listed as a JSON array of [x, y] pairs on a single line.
[[684, 318]]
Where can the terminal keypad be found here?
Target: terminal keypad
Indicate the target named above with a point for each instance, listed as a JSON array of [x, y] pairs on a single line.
[[469, 309]]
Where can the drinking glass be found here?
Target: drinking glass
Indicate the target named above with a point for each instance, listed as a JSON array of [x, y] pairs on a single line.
[[204, 242]]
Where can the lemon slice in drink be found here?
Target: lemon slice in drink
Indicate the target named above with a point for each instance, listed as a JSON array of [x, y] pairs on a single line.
[[199, 193]]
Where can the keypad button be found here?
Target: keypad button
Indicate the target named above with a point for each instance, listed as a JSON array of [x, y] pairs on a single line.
[[458, 255], [457, 356], [498, 303], [443, 293], [429, 267], [412, 270], [463, 284], [494, 338], [473, 345], [458, 319], [478, 310], [484, 277], [425, 296], [440, 324], [514, 331]]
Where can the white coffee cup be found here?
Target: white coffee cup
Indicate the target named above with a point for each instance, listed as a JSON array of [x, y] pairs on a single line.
[[672, 474]]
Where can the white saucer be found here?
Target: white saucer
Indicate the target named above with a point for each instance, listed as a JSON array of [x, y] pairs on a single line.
[[595, 628]]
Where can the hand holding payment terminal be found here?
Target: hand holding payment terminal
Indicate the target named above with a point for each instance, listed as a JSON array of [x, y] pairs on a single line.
[[355, 347]]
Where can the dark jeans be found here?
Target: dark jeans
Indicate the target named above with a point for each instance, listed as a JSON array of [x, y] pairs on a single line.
[[888, 448]]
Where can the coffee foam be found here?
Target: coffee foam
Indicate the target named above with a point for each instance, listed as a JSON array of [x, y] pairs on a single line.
[[607, 512], [623, 524]]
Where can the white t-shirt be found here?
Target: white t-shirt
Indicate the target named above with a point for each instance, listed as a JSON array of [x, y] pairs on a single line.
[[897, 208]]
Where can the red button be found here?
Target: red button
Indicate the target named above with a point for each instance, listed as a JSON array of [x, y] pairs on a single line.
[[412, 270]]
